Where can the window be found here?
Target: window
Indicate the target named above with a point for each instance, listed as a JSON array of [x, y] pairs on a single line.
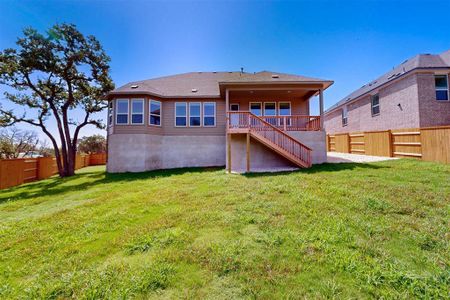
[[255, 108], [270, 109], [180, 114], [122, 111], [137, 111], [155, 112], [441, 84], [344, 116], [375, 105], [209, 114], [284, 108], [110, 113], [194, 114], [234, 107]]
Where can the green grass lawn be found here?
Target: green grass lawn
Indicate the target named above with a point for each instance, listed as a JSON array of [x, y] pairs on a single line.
[[332, 231]]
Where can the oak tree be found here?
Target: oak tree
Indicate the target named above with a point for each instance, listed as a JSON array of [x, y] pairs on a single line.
[[52, 76]]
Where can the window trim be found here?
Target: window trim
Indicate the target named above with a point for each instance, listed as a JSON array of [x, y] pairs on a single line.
[[204, 115], [261, 107], [117, 111], [199, 116], [276, 111], [442, 89], [142, 100], [344, 116], [185, 116], [155, 115], [372, 106]]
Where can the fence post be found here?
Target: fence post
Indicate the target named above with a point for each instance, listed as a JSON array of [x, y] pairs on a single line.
[[391, 144]]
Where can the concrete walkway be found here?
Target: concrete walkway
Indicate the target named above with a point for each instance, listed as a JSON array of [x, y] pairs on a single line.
[[335, 157]]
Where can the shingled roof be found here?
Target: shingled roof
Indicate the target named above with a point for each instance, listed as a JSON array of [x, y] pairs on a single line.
[[207, 84], [421, 61]]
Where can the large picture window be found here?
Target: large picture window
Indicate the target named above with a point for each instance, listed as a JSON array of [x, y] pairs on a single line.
[[122, 111], [255, 108], [209, 114], [137, 111], [375, 107], [441, 85], [155, 112], [194, 114], [180, 114]]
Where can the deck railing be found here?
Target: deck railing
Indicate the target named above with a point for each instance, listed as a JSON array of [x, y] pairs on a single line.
[[271, 133], [284, 123]]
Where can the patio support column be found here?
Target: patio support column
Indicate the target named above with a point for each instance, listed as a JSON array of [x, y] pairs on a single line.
[[321, 108], [248, 152], [228, 142]]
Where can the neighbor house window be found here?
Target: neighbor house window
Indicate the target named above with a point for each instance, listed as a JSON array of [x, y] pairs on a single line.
[[137, 111], [344, 116], [110, 113], [194, 114], [255, 108], [375, 105], [122, 111], [155, 112], [209, 114], [180, 114], [441, 84]]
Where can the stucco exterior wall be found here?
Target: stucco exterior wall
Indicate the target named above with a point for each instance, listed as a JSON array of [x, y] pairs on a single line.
[[432, 111], [399, 108], [145, 152]]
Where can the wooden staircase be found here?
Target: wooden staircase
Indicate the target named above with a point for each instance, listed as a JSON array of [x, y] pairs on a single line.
[[271, 136]]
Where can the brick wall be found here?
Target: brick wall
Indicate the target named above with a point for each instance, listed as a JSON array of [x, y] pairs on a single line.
[[398, 109], [432, 112]]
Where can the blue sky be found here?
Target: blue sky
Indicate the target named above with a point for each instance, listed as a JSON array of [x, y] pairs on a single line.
[[350, 42]]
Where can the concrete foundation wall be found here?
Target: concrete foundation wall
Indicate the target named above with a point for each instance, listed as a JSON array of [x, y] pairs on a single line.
[[261, 157], [264, 159], [144, 152], [316, 140]]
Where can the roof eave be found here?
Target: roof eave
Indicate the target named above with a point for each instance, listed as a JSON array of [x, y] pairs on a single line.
[[330, 110]]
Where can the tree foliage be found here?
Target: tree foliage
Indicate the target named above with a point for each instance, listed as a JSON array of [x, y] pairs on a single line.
[[53, 75], [92, 144]]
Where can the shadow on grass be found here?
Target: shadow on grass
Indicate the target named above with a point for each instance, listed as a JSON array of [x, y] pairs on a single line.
[[86, 179], [326, 167]]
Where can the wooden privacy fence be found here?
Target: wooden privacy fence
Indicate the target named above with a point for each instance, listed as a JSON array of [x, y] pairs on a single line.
[[431, 144], [22, 170]]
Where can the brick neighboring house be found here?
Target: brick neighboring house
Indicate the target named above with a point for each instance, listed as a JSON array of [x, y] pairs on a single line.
[[244, 121], [414, 94]]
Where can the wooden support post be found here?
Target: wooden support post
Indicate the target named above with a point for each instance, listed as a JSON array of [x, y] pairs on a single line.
[[229, 151], [248, 152]]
